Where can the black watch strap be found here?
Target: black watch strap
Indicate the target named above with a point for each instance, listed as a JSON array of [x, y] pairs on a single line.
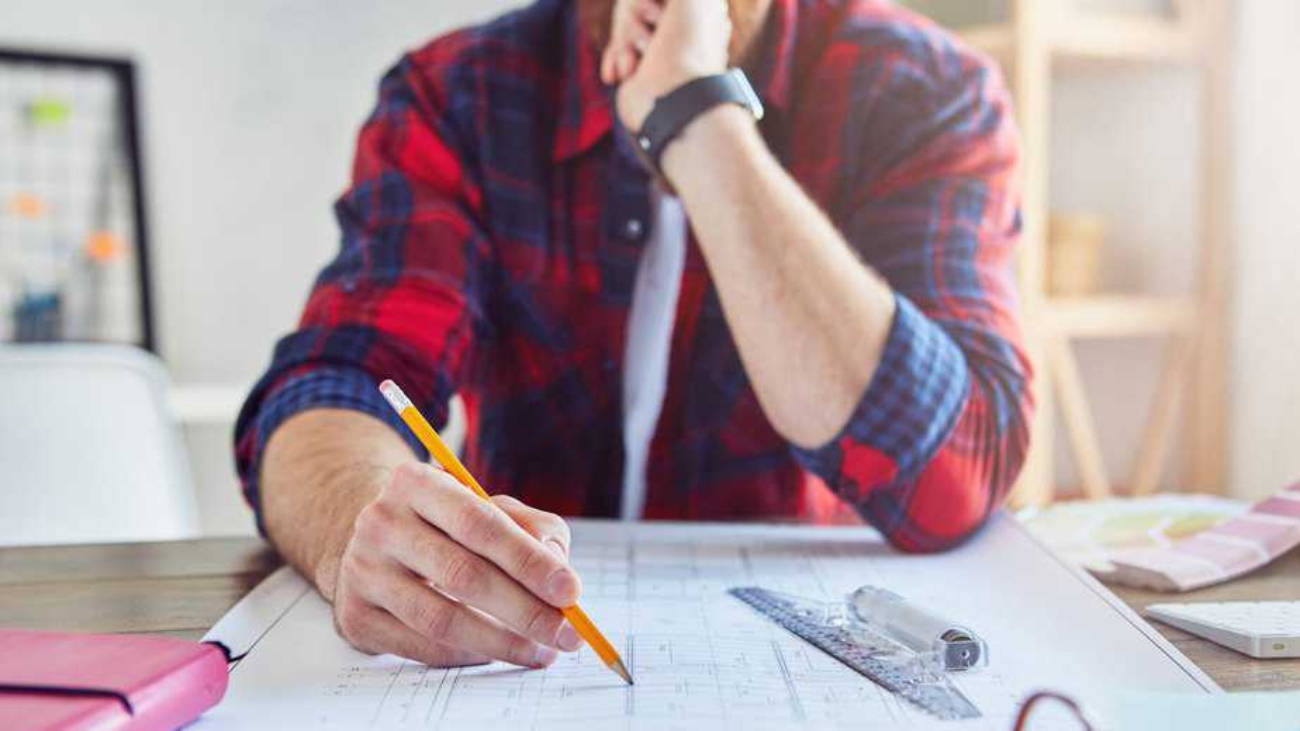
[[674, 110]]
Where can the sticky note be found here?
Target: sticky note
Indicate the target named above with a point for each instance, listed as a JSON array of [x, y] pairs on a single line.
[[48, 112], [104, 246], [28, 205]]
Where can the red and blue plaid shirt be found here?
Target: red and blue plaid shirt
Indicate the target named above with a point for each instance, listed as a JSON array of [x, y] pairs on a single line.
[[492, 232]]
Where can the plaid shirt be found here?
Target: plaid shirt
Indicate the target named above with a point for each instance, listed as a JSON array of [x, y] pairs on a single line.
[[490, 241]]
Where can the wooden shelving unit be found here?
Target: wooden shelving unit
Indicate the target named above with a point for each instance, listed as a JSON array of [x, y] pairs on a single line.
[[1075, 37], [1103, 316], [1039, 40]]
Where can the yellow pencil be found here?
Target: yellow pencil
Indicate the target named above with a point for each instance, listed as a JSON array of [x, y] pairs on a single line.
[[428, 436]]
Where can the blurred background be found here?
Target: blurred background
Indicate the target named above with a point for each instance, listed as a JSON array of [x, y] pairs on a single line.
[[167, 169]]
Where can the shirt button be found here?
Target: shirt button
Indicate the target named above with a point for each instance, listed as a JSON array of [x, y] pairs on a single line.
[[633, 228]]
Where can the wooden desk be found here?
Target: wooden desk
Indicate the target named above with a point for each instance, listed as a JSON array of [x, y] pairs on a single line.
[[181, 588], [1279, 580]]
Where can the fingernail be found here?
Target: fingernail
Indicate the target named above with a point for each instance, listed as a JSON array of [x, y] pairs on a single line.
[[545, 656], [561, 586], [555, 545], [569, 640]]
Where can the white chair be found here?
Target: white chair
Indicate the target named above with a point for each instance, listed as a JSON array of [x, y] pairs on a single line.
[[89, 448]]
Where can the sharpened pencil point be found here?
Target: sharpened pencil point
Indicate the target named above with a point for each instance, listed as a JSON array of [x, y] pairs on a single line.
[[621, 669]]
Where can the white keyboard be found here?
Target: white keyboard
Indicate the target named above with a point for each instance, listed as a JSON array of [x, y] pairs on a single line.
[[1258, 629]]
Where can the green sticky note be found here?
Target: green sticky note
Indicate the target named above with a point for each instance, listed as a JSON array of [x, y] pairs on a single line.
[[48, 112]]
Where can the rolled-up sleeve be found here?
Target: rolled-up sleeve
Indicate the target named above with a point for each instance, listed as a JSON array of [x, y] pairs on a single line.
[[941, 431], [402, 299]]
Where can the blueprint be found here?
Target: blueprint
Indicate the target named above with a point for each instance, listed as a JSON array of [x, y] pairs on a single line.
[[703, 659]]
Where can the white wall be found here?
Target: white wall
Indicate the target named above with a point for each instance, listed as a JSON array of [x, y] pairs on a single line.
[[1266, 347], [249, 112]]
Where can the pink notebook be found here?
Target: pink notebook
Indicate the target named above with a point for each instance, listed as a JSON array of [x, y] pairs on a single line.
[[61, 681]]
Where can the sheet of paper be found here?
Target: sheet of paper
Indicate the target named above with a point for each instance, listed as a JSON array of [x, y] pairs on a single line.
[[702, 659]]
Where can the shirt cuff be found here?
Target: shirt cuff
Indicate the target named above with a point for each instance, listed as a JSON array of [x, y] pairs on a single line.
[[320, 388], [909, 408]]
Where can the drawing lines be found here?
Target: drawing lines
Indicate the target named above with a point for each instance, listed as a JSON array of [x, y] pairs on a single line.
[[697, 654]]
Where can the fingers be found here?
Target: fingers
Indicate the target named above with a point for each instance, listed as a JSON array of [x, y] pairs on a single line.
[[619, 60], [440, 620], [607, 65], [548, 528], [638, 36], [648, 11], [625, 66], [483, 529], [374, 631], [474, 581], [633, 26]]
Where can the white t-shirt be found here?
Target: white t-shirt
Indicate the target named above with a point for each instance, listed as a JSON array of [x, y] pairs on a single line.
[[649, 338]]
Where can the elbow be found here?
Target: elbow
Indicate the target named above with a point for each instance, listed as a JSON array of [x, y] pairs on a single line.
[[944, 511], [931, 540], [961, 487]]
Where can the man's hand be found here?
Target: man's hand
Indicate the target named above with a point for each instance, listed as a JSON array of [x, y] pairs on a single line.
[[658, 45], [436, 574]]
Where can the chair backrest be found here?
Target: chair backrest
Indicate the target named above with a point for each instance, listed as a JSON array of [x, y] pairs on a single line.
[[89, 448]]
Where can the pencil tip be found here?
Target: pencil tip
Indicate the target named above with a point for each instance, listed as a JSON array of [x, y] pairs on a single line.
[[621, 669]]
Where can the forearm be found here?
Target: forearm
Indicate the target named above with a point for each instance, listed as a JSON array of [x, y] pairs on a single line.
[[320, 469], [810, 320], [925, 450]]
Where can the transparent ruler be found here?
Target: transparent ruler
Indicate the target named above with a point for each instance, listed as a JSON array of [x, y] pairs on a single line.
[[869, 650]]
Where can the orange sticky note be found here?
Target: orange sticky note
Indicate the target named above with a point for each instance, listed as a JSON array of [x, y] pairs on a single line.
[[28, 205], [103, 246]]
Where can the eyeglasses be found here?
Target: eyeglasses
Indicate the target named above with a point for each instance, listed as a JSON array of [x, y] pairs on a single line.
[[1047, 709]]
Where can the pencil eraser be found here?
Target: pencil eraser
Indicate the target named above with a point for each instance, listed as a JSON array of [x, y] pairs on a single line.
[[393, 394]]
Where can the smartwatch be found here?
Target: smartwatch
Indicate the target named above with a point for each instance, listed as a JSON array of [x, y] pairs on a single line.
[[676, 109]]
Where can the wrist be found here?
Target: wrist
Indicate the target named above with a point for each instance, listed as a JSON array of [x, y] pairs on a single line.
[[326, 574], [698, 143], [363, 485], [636, 97]]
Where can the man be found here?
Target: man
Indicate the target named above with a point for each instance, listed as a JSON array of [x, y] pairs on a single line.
[[806, 313]]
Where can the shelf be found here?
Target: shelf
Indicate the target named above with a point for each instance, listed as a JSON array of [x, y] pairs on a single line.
[[1124, 38], [997, 39], [1114, 316], [1038, 43], [1111, 39]]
